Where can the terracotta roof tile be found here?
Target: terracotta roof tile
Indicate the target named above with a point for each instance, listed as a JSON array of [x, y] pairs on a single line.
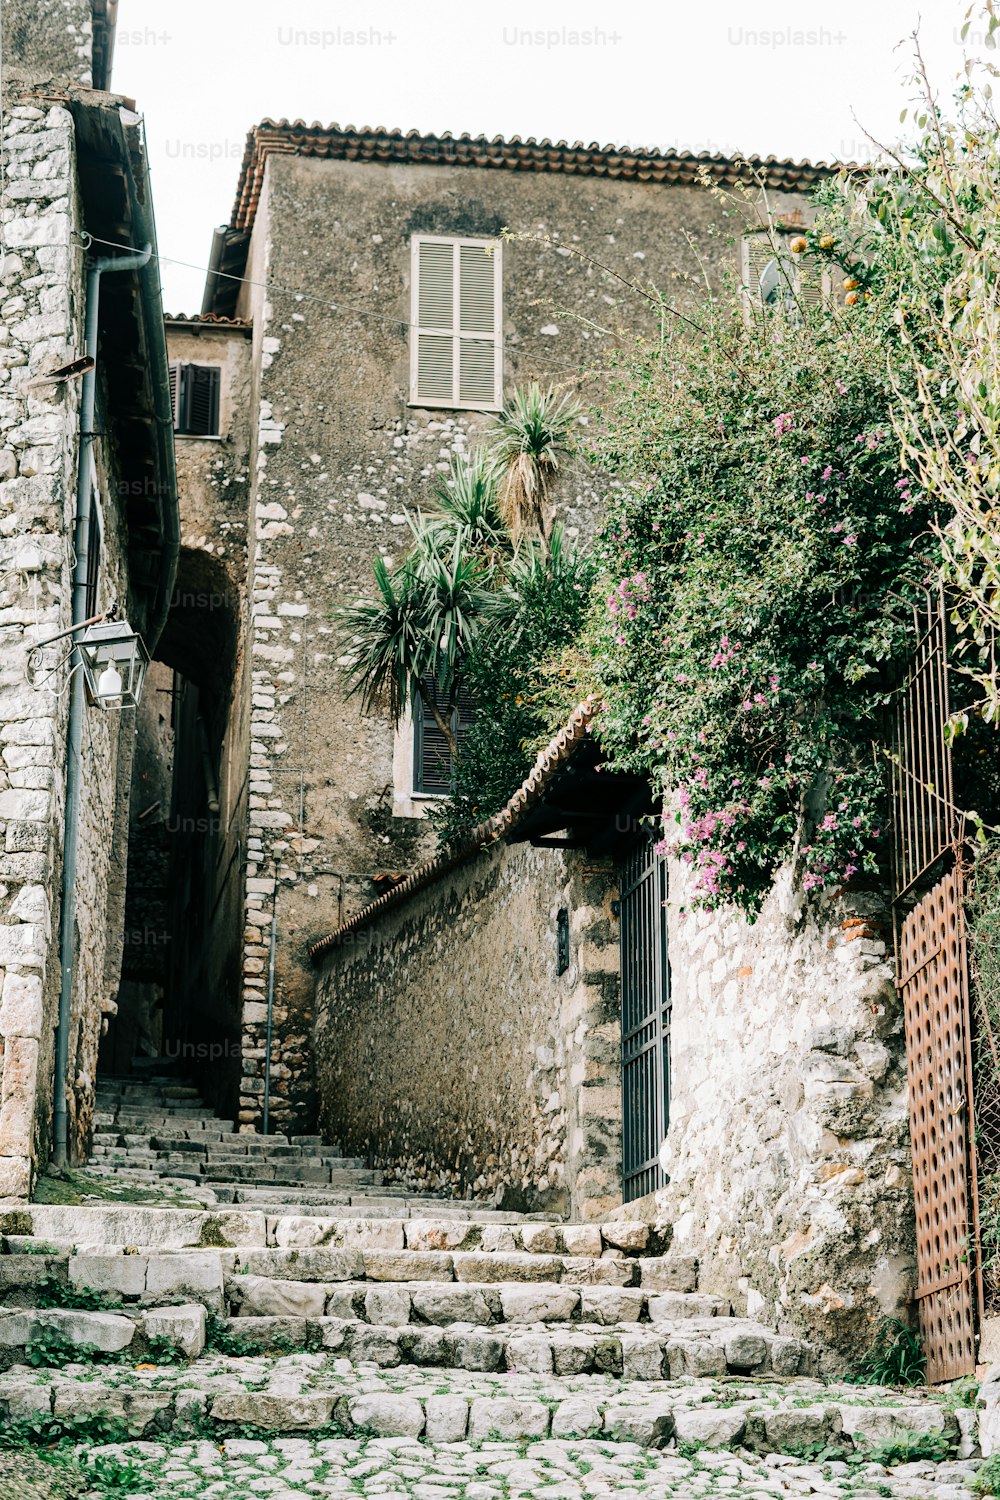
[[636, 164], [549, 760], [210, 320]]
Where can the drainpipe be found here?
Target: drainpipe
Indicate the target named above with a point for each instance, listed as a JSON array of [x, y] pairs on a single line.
[[85, 465]]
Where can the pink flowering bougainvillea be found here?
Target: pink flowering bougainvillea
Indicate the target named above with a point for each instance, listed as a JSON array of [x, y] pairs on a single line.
[[756, 566]]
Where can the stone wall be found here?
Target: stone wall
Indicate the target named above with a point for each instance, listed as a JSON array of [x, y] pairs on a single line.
[[788, 1145], [450, 1052], [41, 315], [48, 39], [341, 454]]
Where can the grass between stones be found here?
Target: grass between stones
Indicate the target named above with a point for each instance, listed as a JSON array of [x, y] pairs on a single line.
[[76, 1186]]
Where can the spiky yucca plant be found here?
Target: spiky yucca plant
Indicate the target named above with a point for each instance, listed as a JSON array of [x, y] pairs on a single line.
[[524, 448], [466, 500]]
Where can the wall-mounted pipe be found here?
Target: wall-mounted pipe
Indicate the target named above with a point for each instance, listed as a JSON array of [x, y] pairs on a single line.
[[74, 733]]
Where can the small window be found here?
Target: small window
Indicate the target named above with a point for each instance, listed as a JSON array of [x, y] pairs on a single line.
[[432, 762], [456, 341], [772, 274], [194, 396]]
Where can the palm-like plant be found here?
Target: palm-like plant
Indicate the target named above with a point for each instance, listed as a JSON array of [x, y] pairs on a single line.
[[418, 629], [466, 500], [530, 437]]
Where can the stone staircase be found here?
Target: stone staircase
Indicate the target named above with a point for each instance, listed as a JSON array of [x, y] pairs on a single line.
[[305, 1314]]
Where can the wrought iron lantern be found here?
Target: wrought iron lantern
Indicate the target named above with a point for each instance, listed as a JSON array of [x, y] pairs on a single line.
[[114, 661]]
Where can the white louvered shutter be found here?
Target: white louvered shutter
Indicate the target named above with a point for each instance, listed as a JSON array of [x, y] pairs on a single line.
[[456, 342], [762, 276]]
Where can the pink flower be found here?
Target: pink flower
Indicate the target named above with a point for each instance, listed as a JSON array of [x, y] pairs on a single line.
[[827, 472], [783, 423], [849, 541]]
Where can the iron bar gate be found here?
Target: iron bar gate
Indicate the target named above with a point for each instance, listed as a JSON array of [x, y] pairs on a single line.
[[645, 991], [932, 978]]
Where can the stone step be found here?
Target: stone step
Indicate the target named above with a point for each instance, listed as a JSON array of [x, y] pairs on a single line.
[[304, 1394]]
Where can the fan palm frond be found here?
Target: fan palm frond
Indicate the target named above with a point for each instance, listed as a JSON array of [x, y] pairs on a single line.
[[531, 435]]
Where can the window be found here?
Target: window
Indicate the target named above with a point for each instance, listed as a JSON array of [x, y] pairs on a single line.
[[194, 396], [772, 274], [456, 342], [432, 763]]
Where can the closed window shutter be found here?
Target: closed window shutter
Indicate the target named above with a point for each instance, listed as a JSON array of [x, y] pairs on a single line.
[[201, 400], [773, 274], [174, 373], [456, 333], [432, 762]]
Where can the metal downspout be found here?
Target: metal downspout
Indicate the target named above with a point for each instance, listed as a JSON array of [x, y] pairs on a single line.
[[74, 733]]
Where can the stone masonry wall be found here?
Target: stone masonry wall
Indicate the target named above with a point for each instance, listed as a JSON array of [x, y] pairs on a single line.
[[451, 1054], [788, 1146], [41, 314], [340, 456]]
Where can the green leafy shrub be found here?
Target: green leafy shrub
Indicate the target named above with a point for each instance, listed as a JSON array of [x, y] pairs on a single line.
[[987, 1480], [53, 1292], [751, 614], [896, 1357]]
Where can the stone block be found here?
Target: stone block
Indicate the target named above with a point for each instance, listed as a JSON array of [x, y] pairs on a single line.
[[582, 1239], [626, 1234], [642, 1357], [870, 1426], [388, 1416], [497, 1267], [21, 1006], [583, 1270], [507, 1419], [539, 1304], [311, 1263], [669, 1273], [745, 1351], [262, 1296], [17, 1099], [695, 1357], [438, 1234], [650, 1424], [540, 1239], [388, 1305], [121, 1274], [407, 1265], [451, 1304], [15, 1176], [106, 1331], [577, 1417], [186, 1277], [792, 1429], [609, 1305], [477, 1350], [376, 1346], [572, 1353], [529, 1352], [23, 1399], [277, 1411], [447, 1419], [668, 1306], [183, 1326], [710, 1427]]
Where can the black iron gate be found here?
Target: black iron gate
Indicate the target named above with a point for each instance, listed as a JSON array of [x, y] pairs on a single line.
[[645, 1019]]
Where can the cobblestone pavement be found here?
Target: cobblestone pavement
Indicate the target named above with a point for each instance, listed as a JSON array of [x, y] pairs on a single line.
[[392, 1468]]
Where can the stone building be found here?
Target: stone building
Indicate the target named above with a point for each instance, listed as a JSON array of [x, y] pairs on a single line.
[[89, 525], [389, 314]]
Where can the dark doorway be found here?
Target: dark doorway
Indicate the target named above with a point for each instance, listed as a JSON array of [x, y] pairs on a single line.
[[645, 990]]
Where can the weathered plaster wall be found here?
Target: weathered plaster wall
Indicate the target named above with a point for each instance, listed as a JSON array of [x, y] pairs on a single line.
[[450, 1052], [50, 40], [340, 456], [40, 328], [788, 1145]]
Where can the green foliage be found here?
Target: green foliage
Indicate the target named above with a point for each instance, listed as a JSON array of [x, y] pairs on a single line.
[[896, 1357], [908, 1448], [51, 1351], [54, 1292], [163, 1351], [109, 1475], [513, 669], [45, 1431], [751, 614], [987, 1480], [532, 434]]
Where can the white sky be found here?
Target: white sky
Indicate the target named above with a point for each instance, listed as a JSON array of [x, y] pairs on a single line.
[[779, 77]]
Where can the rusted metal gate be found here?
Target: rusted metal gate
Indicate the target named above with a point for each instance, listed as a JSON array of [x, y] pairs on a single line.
[[932, 977], [645, 1019]]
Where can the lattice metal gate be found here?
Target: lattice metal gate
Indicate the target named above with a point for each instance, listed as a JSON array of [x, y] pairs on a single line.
[[932, 978], [934, 987], [645, 990]]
